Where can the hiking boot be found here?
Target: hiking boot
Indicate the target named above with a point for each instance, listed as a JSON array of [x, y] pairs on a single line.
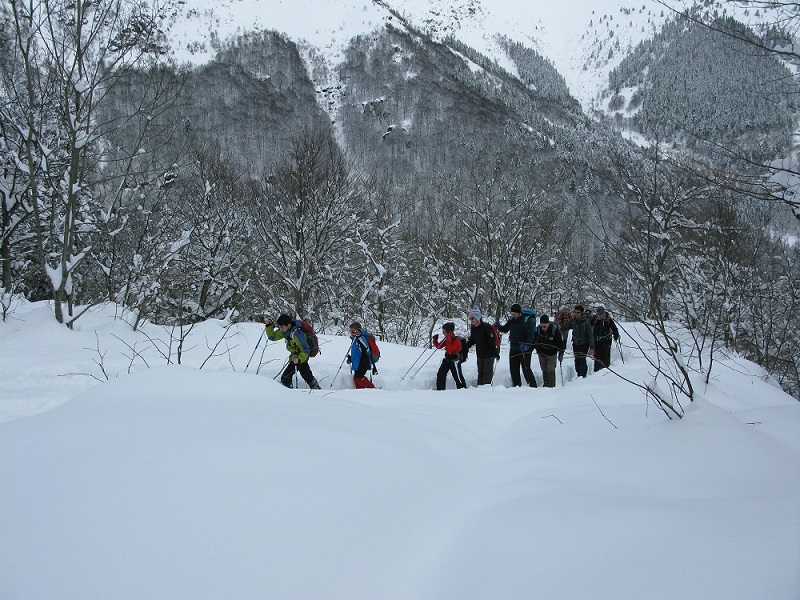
[[314, 385]]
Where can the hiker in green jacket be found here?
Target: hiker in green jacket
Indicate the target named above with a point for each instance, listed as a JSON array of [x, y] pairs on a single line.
[[296, 343]]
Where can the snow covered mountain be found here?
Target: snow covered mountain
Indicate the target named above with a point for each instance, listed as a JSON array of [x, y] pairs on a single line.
[[583, 40]]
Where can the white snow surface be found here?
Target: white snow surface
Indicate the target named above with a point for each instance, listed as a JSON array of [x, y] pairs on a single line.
[[177, 481]]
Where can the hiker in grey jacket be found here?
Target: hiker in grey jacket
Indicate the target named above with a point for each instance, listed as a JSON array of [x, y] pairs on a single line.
[[582, 339]]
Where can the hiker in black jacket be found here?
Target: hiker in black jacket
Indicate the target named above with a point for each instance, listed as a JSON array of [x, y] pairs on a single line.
[[521, 330], [548, 343], [604, 329], [481, 335], [582, 339]]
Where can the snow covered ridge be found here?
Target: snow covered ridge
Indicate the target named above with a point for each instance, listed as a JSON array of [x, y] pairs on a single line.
[[584, 39], [577, 43], [206, 481]]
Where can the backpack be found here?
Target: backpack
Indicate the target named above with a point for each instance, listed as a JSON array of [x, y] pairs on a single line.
[[311, 337], [606, 332], [462, 356], [373, 346], [497, 339], [528, 313]]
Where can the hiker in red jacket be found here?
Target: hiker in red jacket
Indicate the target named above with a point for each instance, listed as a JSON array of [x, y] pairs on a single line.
[[450, 363]]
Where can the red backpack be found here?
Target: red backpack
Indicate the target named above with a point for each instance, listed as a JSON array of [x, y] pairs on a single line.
[[311, 337], [497, 339], [373, 346]]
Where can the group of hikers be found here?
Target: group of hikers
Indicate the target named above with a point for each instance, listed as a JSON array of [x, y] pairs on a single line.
[[592, 335]]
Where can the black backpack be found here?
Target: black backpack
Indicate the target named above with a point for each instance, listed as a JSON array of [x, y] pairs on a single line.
[[462, 356]]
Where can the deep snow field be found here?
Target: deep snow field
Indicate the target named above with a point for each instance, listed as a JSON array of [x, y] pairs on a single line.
[[176, 481]]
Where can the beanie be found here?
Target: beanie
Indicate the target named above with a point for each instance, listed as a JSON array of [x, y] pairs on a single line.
[[284, 320], [544, 319], [475, 312], [449, 327], [515, 308], [601, 310]]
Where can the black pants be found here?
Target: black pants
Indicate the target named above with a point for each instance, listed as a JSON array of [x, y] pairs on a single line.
[[454, 368], [485, 370], [602, 354], [305, 373], [517, 360], [363, 367], [581, 350]]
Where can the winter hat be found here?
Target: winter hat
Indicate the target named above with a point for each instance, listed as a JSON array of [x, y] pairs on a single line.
[[284, 320], [449, 327], [601, 310], [515, 308], [544, 319], [475, 312]]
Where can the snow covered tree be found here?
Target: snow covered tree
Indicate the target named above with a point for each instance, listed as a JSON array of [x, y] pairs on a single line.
[[643, 270], [64, 57], [304, 214], [213, 269], [507, 242], [384, 279]]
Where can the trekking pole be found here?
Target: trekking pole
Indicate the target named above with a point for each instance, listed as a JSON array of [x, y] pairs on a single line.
[[619, 347], [424, 363], [339, 369], [254, 349], [424, 350]]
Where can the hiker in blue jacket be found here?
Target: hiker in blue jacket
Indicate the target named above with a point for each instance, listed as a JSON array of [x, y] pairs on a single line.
[[359, 357], [521, 331]]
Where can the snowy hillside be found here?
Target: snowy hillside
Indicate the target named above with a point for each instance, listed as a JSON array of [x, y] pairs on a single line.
[[189, 482], [584, 40]]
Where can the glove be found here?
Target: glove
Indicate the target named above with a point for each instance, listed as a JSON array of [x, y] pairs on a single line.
[[349, 361], [296, 361], [374, 370], [560, 357], [267, 321], [435, 338], [524, 347], [616, 339]]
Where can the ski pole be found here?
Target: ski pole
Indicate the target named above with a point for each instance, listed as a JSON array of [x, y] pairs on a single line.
[[254, 349], [561, 368], [424, 363], [424, 350], [619, 347], [339, 369]]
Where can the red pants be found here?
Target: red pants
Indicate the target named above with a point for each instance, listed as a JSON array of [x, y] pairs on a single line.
[[362, 382]]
